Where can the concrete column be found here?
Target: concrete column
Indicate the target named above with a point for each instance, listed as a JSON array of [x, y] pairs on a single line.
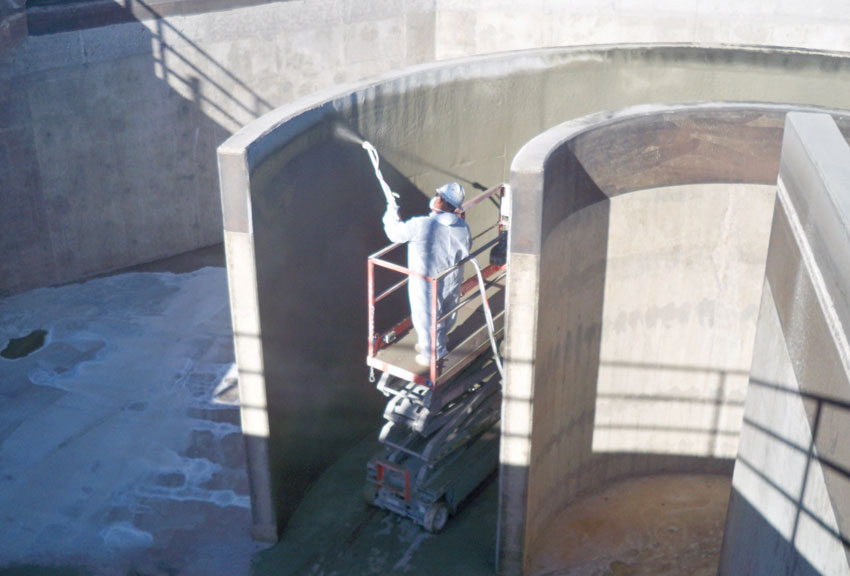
[[790, 507]]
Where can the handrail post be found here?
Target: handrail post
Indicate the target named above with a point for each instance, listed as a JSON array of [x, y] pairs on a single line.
[[371, 297], [433, 332]]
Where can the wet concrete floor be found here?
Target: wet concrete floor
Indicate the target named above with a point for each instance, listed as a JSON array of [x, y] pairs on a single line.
[[335, 533], [649, 526], [120, 445]]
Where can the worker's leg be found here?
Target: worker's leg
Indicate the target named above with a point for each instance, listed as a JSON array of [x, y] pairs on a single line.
[[420, 313], [442, 334], [450, 299]]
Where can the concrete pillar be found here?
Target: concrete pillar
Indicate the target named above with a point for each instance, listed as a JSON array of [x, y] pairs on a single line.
[[790, 507]]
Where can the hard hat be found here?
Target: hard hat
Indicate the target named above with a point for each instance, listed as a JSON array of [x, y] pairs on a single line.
[[452, 193]]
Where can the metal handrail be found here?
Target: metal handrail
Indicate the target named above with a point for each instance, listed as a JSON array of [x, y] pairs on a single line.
[[472, 255], [464, 302], [408, 273], [390, 290]]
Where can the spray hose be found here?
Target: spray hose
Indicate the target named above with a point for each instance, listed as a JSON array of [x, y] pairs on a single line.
[[489, 318], [388, 193]]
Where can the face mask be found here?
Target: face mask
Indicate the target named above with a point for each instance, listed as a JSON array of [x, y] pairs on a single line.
[[433, 204]]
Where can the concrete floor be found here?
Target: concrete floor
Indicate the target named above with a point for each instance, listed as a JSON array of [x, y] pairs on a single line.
[[663, 525], [120, 445], [121, 453], [335, 533]]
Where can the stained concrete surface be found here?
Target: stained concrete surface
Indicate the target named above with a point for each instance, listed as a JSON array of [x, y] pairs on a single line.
[[662, 525], [335, 533], [121, 451], [120, 444]]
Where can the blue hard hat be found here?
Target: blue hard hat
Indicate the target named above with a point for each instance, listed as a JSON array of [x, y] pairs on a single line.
[[452, 193]]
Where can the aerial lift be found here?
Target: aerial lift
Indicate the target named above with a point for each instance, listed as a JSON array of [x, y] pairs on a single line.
[[441, 436]]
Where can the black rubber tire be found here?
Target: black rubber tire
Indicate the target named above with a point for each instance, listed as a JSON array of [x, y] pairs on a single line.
[[436, 517]]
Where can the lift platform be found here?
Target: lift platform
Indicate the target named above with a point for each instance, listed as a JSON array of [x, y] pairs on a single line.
[[442, 421]]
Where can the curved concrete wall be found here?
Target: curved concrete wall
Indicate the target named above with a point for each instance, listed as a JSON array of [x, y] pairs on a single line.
[[580, 408], [107, 134], [432, 123]]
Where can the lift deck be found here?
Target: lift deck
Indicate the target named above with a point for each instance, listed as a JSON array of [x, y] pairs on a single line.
[[441, 435]]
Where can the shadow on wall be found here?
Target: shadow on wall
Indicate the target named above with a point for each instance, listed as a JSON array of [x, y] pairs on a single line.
[[169, 43], [795, 520], [145, 108], [678, 422], [310, 242], [673, 392], [571, 301], [783, 558]]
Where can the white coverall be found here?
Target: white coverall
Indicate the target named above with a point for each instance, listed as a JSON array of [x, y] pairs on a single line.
[[435, 243]]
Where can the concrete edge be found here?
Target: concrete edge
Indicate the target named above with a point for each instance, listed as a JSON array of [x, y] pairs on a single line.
[[533, 156], [814, 169], [252, 136]]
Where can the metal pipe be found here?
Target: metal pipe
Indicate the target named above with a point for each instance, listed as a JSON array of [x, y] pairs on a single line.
[[390, 290], [483, 196], [434, 332], [371, 296]]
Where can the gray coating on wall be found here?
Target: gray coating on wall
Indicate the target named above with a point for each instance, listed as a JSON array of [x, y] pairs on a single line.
[[790, 506], [559, 260], [290, 177]]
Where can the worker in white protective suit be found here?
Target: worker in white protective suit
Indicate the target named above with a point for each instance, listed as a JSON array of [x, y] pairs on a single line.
[[435, 243]]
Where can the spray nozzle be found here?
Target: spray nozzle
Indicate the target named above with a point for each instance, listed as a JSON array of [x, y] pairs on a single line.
[[388, 193]]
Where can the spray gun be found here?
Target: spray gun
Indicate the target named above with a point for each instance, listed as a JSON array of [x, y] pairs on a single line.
[[388, 193]]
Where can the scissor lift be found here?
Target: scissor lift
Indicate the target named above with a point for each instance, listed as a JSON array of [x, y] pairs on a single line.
[[441, 436]]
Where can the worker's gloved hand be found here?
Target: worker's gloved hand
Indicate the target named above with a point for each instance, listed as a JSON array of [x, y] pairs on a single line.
[[391, 215]]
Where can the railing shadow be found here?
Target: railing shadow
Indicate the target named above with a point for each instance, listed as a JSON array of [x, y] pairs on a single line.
[[797, 474]]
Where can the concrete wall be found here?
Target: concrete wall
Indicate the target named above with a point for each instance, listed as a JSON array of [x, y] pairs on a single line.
[[680, 306], [460, 121], [790, 507], [466, 27], [107, 134], [644, 366]]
